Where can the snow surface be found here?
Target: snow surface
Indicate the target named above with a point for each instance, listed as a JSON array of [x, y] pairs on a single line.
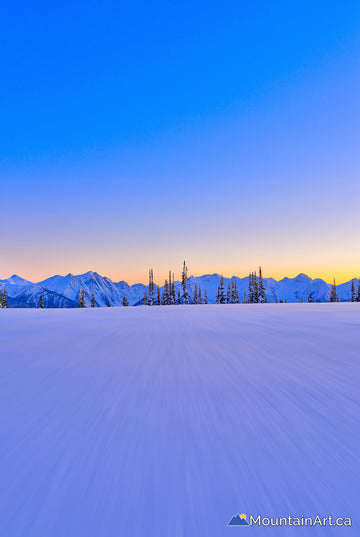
[[165, 422]]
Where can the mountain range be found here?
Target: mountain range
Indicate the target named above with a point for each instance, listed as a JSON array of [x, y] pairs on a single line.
[[63, 291]]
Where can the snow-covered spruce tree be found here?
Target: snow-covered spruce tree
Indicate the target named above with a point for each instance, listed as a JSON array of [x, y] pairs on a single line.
[[145, 299], [195, 297], [151, 288], [158, 296], [262, 295], [178, 298], [82, 302], [124, 301], [228, 294], [310, 297], [353, 292], [256, 289], [165, 294], [92, 301], [171, 289], [108, 304], [251, 295], [3, 297], [184, 278], [245, 300], [200, 300], [205, 298], [173, 292], [358, 292], [333, 294], [41, 302], [220, 295], [234, 293]]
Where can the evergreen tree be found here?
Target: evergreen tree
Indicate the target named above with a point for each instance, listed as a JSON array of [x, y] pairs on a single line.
[[251, 293], [256, 289], [310, 297], [145, 299], [4, 297], [358, 292], [262, 295], [158, 295], [228, 294], [195, 297], [151, 288], [200, 301], [171, 289], [108, 304], [220, 295], [82, 302], [178, 299], [353, 293], [125, 301], [184, 279], [234, 293], [173, 292], [205, 298], [165, 294], [41, 302], [333, 294], [92, 301]]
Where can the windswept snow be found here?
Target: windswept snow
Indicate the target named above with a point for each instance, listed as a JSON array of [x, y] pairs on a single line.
[[166, 422]]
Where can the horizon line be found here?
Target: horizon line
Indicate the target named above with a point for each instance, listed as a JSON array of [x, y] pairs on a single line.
[[176, 280]]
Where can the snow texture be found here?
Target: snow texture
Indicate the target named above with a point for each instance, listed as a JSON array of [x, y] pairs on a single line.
[[167, 421]]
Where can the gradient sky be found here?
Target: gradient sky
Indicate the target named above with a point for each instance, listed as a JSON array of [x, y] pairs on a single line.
[[139, 134]]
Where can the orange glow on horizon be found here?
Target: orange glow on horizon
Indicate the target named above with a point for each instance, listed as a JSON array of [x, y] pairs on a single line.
[[133, 277]]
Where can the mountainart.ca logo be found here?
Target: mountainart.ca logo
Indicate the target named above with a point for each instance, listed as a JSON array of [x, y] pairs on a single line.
[[302, 520], [238, 520]]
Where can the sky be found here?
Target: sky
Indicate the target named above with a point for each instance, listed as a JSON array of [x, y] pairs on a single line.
[[136, 135]]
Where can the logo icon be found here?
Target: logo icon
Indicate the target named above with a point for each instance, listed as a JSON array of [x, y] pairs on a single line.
[[238, 520]]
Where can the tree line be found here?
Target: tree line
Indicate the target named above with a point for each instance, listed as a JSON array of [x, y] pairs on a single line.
[[168, 296], [154, 296], [255, 294]]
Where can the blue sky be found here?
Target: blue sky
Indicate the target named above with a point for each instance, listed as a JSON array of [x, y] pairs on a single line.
[[137, 135]]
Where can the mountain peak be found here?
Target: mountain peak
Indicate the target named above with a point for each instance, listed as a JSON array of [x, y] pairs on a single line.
[[16, 279], [303, 276]]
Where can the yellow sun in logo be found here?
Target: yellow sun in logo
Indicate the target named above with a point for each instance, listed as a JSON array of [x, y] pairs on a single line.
[[242, 516]]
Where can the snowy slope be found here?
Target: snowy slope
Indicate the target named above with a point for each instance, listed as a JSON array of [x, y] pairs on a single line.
[[103, 288], [64, 290], [291, 289], [165, 422], [16, 285]]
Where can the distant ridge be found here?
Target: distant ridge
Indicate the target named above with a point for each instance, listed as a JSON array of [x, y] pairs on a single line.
[[63, 291]]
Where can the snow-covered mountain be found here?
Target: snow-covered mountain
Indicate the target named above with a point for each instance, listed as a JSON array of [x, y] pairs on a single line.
[[63, 291]]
